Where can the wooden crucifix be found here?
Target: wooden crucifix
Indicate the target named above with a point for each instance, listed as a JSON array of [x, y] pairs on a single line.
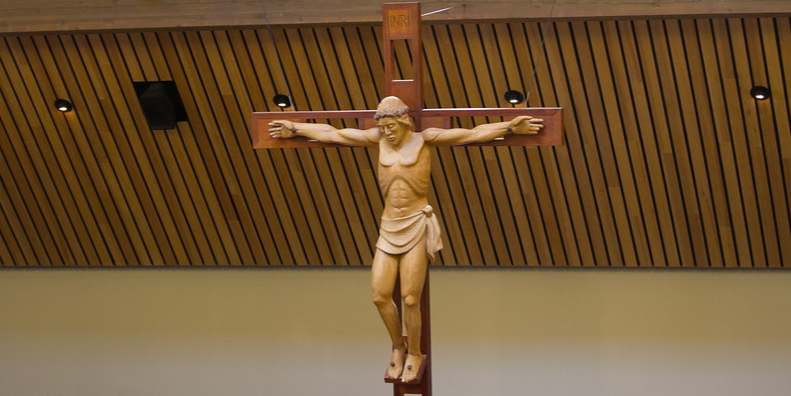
[[404, 132]]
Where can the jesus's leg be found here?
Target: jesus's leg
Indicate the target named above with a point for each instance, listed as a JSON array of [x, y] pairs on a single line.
[[413, 276], [383, 277]]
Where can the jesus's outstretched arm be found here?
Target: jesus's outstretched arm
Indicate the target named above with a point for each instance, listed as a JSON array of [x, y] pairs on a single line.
[[522, 125], [325, 133]]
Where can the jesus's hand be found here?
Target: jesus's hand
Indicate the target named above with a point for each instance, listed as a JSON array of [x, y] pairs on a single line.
[[281, 129], [525, 125]]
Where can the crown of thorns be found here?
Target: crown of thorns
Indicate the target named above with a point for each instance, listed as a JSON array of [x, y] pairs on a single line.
[[390, 113]]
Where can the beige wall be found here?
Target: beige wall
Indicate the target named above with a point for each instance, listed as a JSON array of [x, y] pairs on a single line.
[[312, 332]]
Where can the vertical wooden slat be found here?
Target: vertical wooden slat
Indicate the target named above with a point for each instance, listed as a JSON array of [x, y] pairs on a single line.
[[86, 190], [81, 219], [186, 79], [548, 180], [576, 175], [37, 192], [6, 248], [719, 232], [745, 129], [46, 164], [544, 203], [648, 240], [204, 229], [17, 232], [774, 215], [315, 210], [135, 48], [776, 34], [372, 45], [469, 248], [438, 194], [299, 238], [439, 97], [359, 79], [237, 105], [235, 63], [125, 171], [736, 251], [344, 76], [203, 195], [145, 62], [133, 146], [434, 76], [314, 162], [675, 161], [593, 129], [366, 54], [494, 87], [244, 209], [659, 148], [323, 51], [315, 206], [549, 71], [469, 161], [362, 86], [100, 164], [505, 74], [620, 181], [700, 213], [173, 219]]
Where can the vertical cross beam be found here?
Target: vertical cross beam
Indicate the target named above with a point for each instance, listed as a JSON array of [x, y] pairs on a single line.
[[401, 21]]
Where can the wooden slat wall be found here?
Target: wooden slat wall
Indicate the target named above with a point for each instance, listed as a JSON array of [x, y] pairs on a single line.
[[668, 162]]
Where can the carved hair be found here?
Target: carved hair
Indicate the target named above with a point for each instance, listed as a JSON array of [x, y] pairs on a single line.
[[390, 106]]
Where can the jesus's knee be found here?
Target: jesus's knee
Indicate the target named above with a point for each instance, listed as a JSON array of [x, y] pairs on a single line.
[[381, 299], [411, 300]]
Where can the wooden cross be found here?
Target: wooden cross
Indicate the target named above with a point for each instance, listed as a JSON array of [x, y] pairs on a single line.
[[402, 21]]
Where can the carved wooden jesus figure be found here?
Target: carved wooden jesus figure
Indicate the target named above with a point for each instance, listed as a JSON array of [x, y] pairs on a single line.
[[409, 235]]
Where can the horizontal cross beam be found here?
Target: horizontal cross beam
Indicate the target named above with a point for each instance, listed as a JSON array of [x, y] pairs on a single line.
[[550, 135]]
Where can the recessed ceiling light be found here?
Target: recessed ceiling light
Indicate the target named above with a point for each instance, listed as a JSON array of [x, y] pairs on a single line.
[[63, 105], [282, 100], [514, 97], [760, 92]]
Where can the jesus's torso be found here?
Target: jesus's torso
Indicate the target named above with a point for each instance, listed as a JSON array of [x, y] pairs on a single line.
[[404, 176]]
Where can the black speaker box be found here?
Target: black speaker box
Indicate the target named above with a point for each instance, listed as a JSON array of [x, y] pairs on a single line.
[[161, 104]]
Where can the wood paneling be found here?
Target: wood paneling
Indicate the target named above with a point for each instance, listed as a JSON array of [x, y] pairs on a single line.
[[85, 15], [667, 162]]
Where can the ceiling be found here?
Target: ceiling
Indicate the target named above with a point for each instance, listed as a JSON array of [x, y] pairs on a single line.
[[667, 162], [33, 16]]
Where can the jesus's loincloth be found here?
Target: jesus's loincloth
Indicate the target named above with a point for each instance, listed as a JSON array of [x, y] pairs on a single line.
[[398, 236]]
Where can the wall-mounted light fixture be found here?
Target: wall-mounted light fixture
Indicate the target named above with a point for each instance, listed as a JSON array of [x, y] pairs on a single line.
[[63, 105], [514, 97], [282, 100], [760, 92]]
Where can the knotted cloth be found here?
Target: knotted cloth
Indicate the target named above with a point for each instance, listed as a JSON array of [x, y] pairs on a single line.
[[398, 236]]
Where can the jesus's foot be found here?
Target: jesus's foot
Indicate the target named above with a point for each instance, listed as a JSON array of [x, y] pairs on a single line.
[[412, 368], [396, 363]]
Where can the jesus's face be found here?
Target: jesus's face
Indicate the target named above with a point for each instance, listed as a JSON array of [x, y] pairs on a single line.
[[392, 130]]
